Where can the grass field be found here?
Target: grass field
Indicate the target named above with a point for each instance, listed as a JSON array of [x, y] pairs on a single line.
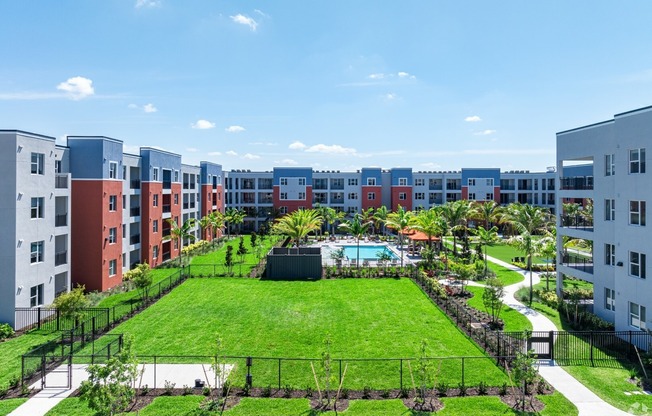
[[213, 263], [385, 318], [508, 277], [514, 321], [12, 349], [506, 253], [9, 405]]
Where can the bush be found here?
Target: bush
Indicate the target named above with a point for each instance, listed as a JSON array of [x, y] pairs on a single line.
[[6, 331]]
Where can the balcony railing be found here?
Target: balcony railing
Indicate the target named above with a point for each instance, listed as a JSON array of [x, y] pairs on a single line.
[[134, 211], [435, 186], [577, 221], [134, 239], [61, 181], [61, 220], [135, 184], [61, 258], [167, 208], [575, 261], [577, 183]]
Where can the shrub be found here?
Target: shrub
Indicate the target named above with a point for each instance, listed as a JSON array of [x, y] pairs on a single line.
[[6, 331], [245, 390], [384, 394], [344, 393], [309, 391], [502, 391], [144, 390], [168, 386], [366, 392], [187, 390], [482, 388], [206, 391], [404, 393], [462, 389], [287, 391], [442, 389], [267, 391]]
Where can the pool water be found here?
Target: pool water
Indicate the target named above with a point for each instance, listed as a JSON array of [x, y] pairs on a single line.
[[367, 252]]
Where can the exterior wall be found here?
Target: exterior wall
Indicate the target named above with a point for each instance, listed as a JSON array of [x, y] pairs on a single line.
[[298, 189], [149, 214], [399, 175]]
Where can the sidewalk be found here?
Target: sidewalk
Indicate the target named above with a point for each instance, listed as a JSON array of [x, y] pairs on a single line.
[[587, 402]]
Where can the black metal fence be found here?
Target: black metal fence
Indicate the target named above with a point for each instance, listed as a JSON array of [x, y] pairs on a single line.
[[578, 262]]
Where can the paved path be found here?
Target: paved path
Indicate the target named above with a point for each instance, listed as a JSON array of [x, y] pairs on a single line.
[[180, 374], [587, 402]]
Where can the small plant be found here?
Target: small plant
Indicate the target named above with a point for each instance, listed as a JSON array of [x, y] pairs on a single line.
[[482, 388], [246, 390], [168, 386], [206, 391], [14, 382], [633, 373], [144, 390], [187, 390], [344, 393], [226, 386], [384, 394], [6, 331], [366, 392], [442, 389], [309, 391], [211, 405], [462, 389], [542, 386], [3, 391], [502, 391], [267, 391], [287, 391], [25, 390], [404, 393]]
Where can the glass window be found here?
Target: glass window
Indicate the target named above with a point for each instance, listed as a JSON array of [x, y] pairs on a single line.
[[113, 235], [610, 254], [155, 226], [113, 202], [155, 200], [609, 209], [155, 252], [284, 196], [302, 196], [36, 252], [113, 266], [637, 160], [283, 210], [609, 299], [490, 182], [489, 197], [37, 207], [419, 182], [609, 165], [36, 295], [637, 213], [113, 170], [419, 195], [284, 181], [371, 181], [371, 196], [353, 195], [402, 181], [402, 196], [637, 316], [155, 174], [637, 264], [471, 182], [38, 163]]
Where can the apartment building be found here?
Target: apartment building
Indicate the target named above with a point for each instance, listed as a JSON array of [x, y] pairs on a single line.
[[35, 207], [606, 163], [263, 195]]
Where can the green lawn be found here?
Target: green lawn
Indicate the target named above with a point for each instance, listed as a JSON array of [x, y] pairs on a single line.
[[12, 349], [9, 405], [379, 318], [212, 264], [508, 277], [514, 321], [505, 252]]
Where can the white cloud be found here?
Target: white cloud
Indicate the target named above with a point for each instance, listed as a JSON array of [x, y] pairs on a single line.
[[406, 75], [297, 145], [202, 125], [376, 76], [147, 3], [472, 119], [287, 162], [260, 12], [232, 153], [263, 144], [149, 108], [331, 149], [191, 149], [390, 96], [77, 88], [245, 20], [484, 132], [250, 156], [234, 129], [214, 153]]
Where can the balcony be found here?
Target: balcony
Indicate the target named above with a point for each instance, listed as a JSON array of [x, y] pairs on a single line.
[[61, 220], [167, 208], [134, 184], [61, 258], [577, 262], [167, 185], [577, 221], [134, 239], [435, 186], [61, 181], [134, 211], [577, 183]]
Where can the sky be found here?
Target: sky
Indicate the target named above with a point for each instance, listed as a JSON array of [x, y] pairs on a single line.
[[431, 85]]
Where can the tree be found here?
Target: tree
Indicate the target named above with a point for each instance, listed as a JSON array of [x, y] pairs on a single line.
[[380, 217], [486, 237], [399, 221], [547, 249], [525, 372], [367, 216], [110, 387], [527, 220], [489, 212], [141, 277], [456, 215], [180, 233], [228, 258], [72, 305], [492, 298], [429, 222], [298, 224], [216, 221], [358, 228], [233, 216], [242, 250]]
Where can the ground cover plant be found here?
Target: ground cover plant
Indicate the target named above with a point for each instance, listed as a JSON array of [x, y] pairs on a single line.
[[12, 349], [366, 319]]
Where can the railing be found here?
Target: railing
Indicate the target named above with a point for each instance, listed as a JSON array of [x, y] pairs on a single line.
[[577, 183], [61, 181], [61, 220], [134, 239], [61, 258], [134, 211], [167, 208], [134, 184], [435, 187], [577, 221], [577, 262]]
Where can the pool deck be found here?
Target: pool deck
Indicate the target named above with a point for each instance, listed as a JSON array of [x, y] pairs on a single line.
[[329, 246]]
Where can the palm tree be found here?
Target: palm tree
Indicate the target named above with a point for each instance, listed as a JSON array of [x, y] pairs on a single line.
[[216, 220], [399, 221], [298, 224], [485, 236], [357, 227], [179, 233], [528, 221], [456, 213], [428, 222], [205, 225], [547, 249], [380, 217], [368, 217], [233, 216], [487, 211]]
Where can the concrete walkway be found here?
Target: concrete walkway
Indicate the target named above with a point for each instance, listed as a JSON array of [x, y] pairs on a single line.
[[587, 402], [154, 377]]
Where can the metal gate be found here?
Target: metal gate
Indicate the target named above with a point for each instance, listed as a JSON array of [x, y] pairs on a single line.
[[59, 376], [542, 343]]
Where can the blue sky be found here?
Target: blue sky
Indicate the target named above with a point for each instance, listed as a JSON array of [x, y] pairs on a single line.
[[430, 85]]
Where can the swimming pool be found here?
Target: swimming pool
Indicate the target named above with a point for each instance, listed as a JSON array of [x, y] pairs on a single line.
[[367, 252]]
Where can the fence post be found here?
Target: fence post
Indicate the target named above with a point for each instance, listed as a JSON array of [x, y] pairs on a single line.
[[108, 320], [401, 372], [279, 374], [22, 371], [38, 317], [94, 328], [58, 315], [591, 346], [340, 360], [463, 371], [83, 332]]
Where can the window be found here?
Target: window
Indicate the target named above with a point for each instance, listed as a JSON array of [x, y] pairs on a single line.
[[57, 166], [155, 174], [609, 165], [609, 299], [113, 235], [284, 181], [124, 233], [283, 210], [402, 182], [471, 182], [113, 170], [371, 196], [610, 254], [637, 160], [353, 195], [490, 182], [176, 199], [472, 196], [371, 181], [353, 182], [284, 196], [38, 163], [637, 264], [637, 316], [609, 209], [419, 195], [402, 196], [155, 200], [637, 213], [113, 202], [37, 207], [36, 295], [302, 196], [419, 182], [302, 181], [489, 197], [176, 176], [113, 266], [36, 252], [155, 252], [155, 226]]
